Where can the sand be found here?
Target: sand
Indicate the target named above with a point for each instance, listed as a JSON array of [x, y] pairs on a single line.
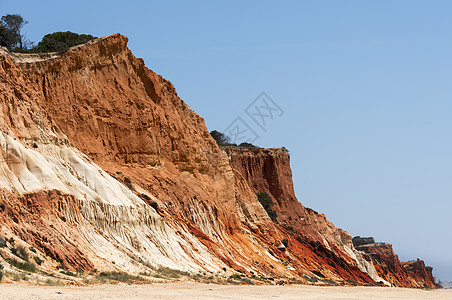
[[187, 291]]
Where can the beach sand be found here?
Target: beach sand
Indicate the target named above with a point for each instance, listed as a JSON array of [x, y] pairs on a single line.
[[213, 291]]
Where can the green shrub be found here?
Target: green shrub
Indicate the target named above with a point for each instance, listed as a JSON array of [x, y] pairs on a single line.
[[1, 275], [128, 183], [267, 203], [37, 260], [239, 277], [68, 273], [358, 241], [235, 276], [265, 200], [285, 242], [61, 41], [20, 252], [247, 145], [2, 242], [272, 214], [171, 273], [117, 276], [219, 137], [26, 266]]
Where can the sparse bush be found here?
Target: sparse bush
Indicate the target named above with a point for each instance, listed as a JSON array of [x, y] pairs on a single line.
[[26, 266], [247, 145], [2, 207], [247, 281], [117, 276], [239, 277], [37, 260], [61, 41], [128, 183], [235, 276], [219, 137], [52, 282], [32, 249], [272, 214], [265, 200], [267, 203], [285, 242], [68, 273], [1, 275], [20, 252], [171, 273], [358, 241], [2, 242]]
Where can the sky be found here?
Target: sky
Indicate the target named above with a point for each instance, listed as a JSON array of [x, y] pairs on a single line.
[[364, 91]]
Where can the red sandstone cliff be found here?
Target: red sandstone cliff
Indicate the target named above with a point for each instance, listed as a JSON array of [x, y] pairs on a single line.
[[268, 170], [104, 167], [389, 267]]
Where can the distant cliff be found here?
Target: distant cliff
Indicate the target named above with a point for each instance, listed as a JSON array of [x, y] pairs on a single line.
[[389, 267], [104, 168], [268, 170]]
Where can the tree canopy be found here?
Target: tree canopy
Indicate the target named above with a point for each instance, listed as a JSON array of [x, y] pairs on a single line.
[[11, 35], [61, 41], [224, 140], [221, 138], [358, 241], [13, 38]]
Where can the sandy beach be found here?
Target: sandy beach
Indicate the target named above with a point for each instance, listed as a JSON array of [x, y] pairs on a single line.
[[213, 291]]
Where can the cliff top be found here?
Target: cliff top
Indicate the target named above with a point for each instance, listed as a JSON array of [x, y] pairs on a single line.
[[36, 57], [253, 150]]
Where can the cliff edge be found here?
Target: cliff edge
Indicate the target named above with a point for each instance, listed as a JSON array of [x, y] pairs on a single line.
[[104, 168]]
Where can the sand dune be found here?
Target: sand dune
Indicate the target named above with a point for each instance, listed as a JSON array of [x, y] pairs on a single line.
[[213, 291]]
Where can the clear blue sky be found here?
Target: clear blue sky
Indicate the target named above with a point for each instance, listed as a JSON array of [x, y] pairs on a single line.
[[366, 89]]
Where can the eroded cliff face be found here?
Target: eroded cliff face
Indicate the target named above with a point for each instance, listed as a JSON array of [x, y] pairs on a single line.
[[397, 273], [268, 170], [103, 166]]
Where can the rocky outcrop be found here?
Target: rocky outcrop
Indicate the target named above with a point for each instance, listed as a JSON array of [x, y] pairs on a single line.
[[103, 166], [268, 170], [389, 267], [419, 274]]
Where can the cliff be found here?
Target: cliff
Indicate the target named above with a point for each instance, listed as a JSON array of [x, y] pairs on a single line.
[[389, 267], [268, 170], [104, 168]]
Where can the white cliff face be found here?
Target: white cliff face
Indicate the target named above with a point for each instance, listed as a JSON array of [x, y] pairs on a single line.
[[61, 168], [364, 265], [114, 224]]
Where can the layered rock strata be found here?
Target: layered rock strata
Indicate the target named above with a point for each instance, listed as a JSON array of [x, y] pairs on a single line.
[[103, 166]]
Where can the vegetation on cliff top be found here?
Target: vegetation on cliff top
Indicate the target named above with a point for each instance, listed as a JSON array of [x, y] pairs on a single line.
[[61, 41], [358, 241], [13, 38], [224, 140]]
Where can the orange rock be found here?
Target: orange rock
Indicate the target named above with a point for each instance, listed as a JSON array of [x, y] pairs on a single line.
[[172, 196]]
